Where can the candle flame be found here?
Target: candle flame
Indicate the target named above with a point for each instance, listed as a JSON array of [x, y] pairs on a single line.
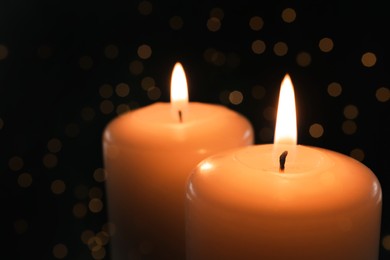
[[286, 119], [179, 89]]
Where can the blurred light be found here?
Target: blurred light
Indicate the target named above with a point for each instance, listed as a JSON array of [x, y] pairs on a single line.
[[288, 15], [60, 251], [3, 52], [303, 59], [368, 59], [280, 48], [154, 93], [99, 253], [316, 130], [54, 145], [58, 187], [106, 107], [136, 67], [122, 89], [382, 94], [349, 127], [224, 97], [50, 160], [218, 58], [258, 92], [258, 46], [79, 210], [87, 113], [25, 180], [326, 44], [256, 23], [144, 51], [334, 89], [15, 163], [217, 13], [94, 243], [350, 112], [358, 154], [111, 51], [95, 205], [176, 22], [105, 91], [147, 83], [213, 24], [122, 108], [145, 7], [99, 175], [104, 237], [386, 242], [72, 130], [86, 62], [208, 54], [236, 97], [86, 236]]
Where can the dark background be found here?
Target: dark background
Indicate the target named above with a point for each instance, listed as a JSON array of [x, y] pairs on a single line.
[[61, 63]]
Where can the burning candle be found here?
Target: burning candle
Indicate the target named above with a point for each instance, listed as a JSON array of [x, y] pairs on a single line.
[[283, 201], [148, 155]]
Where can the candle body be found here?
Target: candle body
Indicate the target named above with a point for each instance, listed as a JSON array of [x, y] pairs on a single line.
[[324, 206], [148, 155]]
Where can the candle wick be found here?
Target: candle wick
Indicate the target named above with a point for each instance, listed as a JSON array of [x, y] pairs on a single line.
[[282, 160], [180, 116]]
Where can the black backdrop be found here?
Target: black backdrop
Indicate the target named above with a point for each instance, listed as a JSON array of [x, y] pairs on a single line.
[[61, 63]]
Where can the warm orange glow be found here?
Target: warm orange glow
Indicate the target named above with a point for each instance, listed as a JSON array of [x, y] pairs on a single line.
[[179, 89], [286, 119]]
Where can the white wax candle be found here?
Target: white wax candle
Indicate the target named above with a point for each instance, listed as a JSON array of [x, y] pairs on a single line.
[[148, 155], [241, 205]]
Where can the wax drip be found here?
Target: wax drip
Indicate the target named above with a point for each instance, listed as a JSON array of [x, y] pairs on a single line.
[[282, 160]]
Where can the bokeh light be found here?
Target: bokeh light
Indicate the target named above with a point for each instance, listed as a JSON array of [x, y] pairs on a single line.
[[15, 163], [60, 251], [316, 130], [289, 15], [145, 7], [176, 22], [382, 94], [368, 59], [25, 180], [334, 89], [280, 48], [256, 23], [326, 44], [111, 51]]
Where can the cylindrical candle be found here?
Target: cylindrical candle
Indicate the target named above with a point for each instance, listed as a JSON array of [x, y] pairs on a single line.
[[148, 155], [282, 201], [324, 205]]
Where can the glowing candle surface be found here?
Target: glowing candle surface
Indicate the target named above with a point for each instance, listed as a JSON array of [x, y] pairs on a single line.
[[242, 204], [148, 155]]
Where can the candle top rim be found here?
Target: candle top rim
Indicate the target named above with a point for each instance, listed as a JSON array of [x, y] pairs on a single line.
[[346, 182]]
